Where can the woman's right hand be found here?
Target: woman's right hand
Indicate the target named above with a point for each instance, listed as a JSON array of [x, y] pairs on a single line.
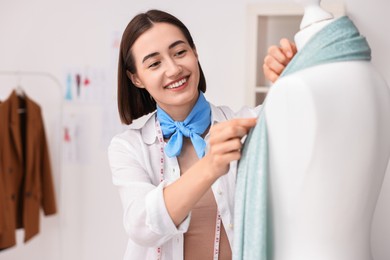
[[278, 58], [224, 146], [225, 143]]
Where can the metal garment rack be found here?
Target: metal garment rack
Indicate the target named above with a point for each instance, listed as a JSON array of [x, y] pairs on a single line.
[[19, 74]]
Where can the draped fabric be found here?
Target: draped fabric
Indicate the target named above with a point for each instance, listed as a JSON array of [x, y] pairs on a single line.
[[250, 212], [338, 41]]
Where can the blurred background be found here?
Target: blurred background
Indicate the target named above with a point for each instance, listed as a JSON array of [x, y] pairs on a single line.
[[63, 54]]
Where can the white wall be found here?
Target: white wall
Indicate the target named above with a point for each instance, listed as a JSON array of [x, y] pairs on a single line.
[[53, 36]]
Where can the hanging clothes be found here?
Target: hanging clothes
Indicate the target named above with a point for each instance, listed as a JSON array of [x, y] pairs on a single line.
[[25, 173]]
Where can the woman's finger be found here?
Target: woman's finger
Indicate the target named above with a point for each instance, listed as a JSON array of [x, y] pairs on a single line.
[[229, 146], [277, 54], [235, 128], [289, 49], [274, 64], [270, 74]]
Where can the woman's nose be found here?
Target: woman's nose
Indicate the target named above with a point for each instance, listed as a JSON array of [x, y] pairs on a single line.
[[173, 69]]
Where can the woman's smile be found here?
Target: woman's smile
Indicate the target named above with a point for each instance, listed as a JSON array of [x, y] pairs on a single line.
[[178, 84]]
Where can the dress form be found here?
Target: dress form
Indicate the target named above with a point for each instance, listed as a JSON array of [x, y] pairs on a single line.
[[328, 140]]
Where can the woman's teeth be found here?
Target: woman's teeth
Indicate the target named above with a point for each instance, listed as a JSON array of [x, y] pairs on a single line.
[[177, 84]]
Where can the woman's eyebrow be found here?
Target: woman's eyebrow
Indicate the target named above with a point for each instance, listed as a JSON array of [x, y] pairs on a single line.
[[175, 44], [150, 56], [157, 53]]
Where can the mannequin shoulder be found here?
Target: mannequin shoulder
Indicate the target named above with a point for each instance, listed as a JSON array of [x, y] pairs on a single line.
[[291, 106], [330, 75], [289, 92]]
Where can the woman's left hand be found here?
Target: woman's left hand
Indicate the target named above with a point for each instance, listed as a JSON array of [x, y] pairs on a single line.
[[278, 58]]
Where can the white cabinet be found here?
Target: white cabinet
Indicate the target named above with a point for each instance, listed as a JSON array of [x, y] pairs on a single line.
[[267, 24]]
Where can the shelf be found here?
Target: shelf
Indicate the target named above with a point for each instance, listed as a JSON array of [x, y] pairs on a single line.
[[262, 89], [267, 24]]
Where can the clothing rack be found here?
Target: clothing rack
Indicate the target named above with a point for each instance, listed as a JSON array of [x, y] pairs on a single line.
[[19, 74]]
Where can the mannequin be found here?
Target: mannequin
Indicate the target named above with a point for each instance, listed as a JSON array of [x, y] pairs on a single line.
[[329, 145]]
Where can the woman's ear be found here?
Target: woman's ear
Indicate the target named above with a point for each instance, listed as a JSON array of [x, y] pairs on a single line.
[[134, 78]]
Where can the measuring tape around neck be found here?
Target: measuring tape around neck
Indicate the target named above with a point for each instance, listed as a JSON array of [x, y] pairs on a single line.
[[218, 224]]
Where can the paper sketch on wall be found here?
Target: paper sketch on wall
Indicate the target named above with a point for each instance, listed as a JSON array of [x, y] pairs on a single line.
[[75, 138], [111, 124], [114, 48], [87, 85]]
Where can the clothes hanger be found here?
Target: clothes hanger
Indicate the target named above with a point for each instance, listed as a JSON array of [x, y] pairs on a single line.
[[36, 74], [20, 93], [19, 90]]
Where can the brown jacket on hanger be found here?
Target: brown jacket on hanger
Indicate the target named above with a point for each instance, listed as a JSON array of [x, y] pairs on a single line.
[[25, 174]]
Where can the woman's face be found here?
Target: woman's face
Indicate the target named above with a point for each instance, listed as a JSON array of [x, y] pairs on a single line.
[[167, 67]]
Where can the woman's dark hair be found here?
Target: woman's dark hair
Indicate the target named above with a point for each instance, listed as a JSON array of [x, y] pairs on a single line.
[[134, 102]]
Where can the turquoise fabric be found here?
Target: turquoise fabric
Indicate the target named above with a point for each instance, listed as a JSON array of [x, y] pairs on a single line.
[[193, 127], [338, 41], [250, 228]]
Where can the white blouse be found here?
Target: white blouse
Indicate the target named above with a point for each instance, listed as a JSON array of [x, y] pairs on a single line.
[[134, 157]]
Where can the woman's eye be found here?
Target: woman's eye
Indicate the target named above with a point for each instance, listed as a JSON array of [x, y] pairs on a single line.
[[154, 64], [181, 53]]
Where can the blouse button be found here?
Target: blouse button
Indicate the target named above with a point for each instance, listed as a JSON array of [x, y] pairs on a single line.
[[231, 225]]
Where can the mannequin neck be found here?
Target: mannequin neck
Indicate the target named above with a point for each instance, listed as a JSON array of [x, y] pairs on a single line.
[[314, 19], [314, 14], [304, 35]]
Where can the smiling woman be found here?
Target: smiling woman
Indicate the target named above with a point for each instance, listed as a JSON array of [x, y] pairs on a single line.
[[136, 102], [175, 167], [168, 69]]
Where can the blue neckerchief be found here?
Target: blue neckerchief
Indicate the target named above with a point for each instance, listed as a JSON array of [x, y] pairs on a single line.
[[338, 41], [193, 127]]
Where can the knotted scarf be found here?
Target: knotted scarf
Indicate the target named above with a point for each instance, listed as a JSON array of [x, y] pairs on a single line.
[[193, 127], [338, 41]]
